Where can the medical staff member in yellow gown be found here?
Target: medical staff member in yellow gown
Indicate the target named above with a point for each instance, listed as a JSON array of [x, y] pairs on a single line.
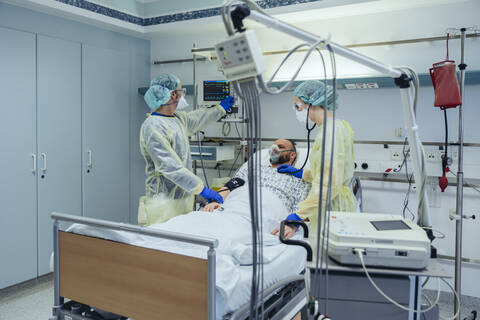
[[171, 185], [309, 100]]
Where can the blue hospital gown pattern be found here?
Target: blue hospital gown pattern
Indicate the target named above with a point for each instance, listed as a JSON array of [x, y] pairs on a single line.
[[289, 189]]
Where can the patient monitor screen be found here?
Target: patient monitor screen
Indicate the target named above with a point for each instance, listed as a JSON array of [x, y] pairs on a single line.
[[215, 90], [390, 225]]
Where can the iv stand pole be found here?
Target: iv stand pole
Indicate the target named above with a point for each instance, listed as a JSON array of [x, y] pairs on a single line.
[[459, 206]]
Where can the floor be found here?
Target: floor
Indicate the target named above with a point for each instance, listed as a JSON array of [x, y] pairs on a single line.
[[445, 304], [33, 300]]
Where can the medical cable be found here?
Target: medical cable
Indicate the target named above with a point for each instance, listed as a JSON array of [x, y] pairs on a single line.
[[235, 161], [292, 79], [445, 155], [330, 174], [268, 90], [257, 124], [253, 295], [320, 225], [409, 179], [226, 129], [456, 297], [440, 234], [251, 105], [405, 154], [201, 159], [360, 253]]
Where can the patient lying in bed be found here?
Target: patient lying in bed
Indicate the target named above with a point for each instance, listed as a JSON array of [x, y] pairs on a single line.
[[290, 190]]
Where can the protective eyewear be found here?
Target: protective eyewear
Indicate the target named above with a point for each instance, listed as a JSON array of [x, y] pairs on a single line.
[[184, 91], [274, 149]]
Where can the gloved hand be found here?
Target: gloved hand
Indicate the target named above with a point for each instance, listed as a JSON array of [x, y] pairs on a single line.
[[211, 195], [286, 168], [227, 103], [289, 230]]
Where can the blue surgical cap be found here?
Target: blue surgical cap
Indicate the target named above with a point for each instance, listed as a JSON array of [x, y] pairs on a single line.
[[160, 90], [313, 92]]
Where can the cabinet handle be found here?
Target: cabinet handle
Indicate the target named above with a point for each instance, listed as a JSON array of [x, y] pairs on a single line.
[[89, 165], [44, 157], [34, 159]]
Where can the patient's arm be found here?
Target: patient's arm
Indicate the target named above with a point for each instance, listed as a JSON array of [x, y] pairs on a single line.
[[224, 192], [289, 231], [211, 206]]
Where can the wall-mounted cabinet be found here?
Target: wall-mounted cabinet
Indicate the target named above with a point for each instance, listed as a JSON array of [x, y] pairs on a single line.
[[18, 158], [65, 141]]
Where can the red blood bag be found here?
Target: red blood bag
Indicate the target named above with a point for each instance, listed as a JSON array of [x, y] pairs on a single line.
[[445, 83]]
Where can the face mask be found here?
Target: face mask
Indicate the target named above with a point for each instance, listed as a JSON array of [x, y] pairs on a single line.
[[276, 155], [182, 103], [301, 115]]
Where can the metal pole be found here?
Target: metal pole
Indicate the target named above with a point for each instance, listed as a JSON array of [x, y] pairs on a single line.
[[58, 301], [459, 207], [211, 284], [195, 93]]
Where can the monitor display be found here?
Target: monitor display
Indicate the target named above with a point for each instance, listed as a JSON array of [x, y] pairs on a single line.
[[215, 90], [390, 225]]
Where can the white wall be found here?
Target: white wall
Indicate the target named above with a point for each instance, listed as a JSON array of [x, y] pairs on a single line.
[[372, 113]]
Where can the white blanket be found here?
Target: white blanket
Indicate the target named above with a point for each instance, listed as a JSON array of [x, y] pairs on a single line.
[[231, 227]]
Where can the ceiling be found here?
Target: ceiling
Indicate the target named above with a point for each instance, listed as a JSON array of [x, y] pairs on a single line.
[[156, 18]]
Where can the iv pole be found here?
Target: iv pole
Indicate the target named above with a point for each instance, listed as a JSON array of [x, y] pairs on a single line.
[[459, 207]]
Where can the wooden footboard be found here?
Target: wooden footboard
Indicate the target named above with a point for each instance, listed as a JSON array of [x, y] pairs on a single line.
[[140, 283]]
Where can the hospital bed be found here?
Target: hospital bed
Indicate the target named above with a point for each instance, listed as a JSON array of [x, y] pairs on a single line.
[[146, 284]]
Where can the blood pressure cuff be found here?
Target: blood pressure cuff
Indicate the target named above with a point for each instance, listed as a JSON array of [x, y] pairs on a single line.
[[234, 183]]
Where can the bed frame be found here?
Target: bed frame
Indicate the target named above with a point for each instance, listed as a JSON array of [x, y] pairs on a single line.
[[141, 283]]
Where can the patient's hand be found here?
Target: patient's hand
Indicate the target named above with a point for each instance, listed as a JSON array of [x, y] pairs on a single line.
[[211, 206], [288, 232]]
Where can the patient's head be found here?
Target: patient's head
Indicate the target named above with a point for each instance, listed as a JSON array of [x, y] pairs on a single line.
[[287, 153]]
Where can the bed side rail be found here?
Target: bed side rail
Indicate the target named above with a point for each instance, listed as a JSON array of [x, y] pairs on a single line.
[[304, 244], [203, 241]]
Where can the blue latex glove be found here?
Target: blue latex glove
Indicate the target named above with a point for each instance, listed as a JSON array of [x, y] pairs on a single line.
[[286, 168], [294, 216], [227, 103], [211, 195]]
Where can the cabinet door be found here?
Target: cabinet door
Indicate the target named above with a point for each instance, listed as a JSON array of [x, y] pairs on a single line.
[[59, 137], [18, 203], [106, 151]]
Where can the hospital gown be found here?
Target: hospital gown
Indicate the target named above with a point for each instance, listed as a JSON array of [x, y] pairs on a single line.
[[290, 190]]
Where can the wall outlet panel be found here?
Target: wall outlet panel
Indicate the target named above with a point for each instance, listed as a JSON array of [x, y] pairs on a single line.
[[377, 159]]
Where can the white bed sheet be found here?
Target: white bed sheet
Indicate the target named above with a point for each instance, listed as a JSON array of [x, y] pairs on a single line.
[[232, 228]]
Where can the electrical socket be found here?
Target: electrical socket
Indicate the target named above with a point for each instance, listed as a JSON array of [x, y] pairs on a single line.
[[432, 156], [396, 155]]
